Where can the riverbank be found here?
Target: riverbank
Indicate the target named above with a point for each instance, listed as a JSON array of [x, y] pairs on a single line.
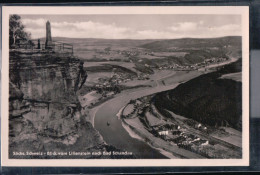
[[135, 134], [92, 112], [115, 134], [135, 128]]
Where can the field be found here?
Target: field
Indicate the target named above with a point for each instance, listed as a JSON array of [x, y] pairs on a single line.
[[126, 65], [181, 75], [154, 53], [93, 77], [128, 110], [89, 98], [152, 120], [233, 76], [229, 135], [103, 49]]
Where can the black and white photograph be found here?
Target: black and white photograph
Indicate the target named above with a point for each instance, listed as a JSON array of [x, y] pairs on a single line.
[[86, 84]]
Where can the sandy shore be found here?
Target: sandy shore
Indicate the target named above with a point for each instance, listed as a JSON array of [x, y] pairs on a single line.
[[168, 150], [135, 135], [155, 87], [92, 112]]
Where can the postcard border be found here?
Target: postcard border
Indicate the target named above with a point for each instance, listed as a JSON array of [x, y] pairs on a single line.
[[242, 10]]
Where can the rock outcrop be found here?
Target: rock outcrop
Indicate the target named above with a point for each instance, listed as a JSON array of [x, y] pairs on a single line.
[[44, 112], [47, 77]]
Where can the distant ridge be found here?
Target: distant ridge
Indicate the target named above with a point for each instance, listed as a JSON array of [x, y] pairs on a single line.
[[195, 50], [158, 39], [158, 44], [193, 42], [67, 38]]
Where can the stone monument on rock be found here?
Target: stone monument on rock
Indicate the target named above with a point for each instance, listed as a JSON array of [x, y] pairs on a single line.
[[48, 43]]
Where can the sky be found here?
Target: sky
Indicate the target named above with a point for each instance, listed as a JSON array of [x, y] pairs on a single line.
[[134, 26]]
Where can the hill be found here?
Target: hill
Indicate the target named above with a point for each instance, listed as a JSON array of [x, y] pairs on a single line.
[[207, 99], [193, 43], [107, 42], [160, 52]]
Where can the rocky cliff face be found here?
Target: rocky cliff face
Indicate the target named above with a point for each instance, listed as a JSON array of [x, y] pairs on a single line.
[[47, 77], [44, 113]]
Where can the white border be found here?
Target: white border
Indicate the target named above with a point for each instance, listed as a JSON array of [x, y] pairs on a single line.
[[241, 10]]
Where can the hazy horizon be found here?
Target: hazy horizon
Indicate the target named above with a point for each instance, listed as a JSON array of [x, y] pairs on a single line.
[[134, 26], [142, 39]]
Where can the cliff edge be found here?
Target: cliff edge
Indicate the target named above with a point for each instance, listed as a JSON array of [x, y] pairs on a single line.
[[44, 112]]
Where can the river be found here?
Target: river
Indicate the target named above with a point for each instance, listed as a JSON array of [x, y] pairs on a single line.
[[115, 134]]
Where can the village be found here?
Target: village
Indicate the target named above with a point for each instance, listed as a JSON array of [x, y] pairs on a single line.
[[196, 66], [106, 87], [175, 130], [100, 94]]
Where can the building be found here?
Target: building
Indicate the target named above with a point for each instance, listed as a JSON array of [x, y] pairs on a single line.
[[163, 133]]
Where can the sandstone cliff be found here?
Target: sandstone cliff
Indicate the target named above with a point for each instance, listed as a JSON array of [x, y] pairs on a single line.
[[44, 113], [46, 76]]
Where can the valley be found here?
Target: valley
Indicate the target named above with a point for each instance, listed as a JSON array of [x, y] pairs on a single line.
[[152, 98]]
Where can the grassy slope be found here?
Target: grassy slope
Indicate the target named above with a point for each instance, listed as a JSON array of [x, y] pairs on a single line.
[[192, 42], [197, 49], [106, 42], [207, 99], [109, 68]]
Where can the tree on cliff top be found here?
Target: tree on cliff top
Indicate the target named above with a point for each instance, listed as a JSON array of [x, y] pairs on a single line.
[[16, 30]]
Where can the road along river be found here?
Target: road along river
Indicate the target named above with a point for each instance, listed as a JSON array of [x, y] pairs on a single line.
[[115, 134]]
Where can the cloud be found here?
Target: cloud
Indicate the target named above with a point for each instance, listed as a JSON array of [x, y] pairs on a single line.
[[201, 22], [185, 26], [201, 30], [153, 34], [228, 27], [34, 22], [224, 30], [36, 33], [88, 29], [92, 29]]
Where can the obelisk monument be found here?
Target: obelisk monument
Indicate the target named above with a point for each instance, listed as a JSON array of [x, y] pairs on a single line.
[[48, 43]]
